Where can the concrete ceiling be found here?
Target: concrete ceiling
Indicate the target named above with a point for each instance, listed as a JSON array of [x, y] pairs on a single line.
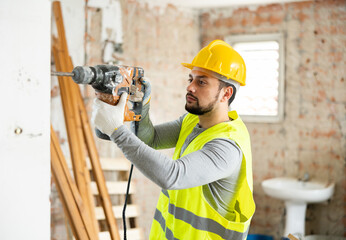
[[200, 4]]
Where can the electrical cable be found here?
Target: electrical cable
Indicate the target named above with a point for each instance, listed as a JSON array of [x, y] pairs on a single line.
[[128, 187], [126, 196]]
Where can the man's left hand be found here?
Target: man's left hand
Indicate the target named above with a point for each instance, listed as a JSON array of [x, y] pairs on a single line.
[[106, 117]]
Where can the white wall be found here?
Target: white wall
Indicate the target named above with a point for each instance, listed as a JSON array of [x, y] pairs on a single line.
[[24, 101]]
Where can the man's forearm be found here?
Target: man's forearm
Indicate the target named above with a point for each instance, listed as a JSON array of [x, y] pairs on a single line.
[[161, 136], [152, 163], [218, 159], [146, 129]]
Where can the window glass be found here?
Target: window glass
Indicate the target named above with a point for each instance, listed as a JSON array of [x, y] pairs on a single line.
[[261, 98]]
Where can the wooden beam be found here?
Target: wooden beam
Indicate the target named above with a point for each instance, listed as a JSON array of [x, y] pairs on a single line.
[[72, 120], [76, 151], [68, 192]]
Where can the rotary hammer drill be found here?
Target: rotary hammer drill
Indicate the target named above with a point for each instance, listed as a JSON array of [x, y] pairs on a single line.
[[109, 82]]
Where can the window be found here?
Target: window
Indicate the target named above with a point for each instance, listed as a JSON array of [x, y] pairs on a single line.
[[262, 99]]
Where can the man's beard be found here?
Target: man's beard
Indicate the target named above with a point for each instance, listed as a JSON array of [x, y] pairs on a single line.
[[197, 109]]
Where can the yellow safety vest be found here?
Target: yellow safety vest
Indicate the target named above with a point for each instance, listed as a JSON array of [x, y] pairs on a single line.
[[185, 214]]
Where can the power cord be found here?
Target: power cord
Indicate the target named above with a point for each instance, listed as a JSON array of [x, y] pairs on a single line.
[[126, 196], [128, 187]]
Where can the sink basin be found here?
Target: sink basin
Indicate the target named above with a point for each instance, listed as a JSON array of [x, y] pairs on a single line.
[[291, 189], [297, 194]]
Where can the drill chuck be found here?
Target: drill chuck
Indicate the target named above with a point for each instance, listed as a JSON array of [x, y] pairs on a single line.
[[83, 75]]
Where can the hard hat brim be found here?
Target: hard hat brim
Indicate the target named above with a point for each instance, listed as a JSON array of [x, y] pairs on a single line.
[[191, 66], [188, 65]]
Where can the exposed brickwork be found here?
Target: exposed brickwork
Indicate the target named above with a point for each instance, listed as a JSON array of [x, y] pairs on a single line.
[[312, 136]]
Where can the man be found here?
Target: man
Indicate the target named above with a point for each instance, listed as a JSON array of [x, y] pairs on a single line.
[[207, 186]]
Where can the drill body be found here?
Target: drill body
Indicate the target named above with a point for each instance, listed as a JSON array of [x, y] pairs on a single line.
[[110, 81]]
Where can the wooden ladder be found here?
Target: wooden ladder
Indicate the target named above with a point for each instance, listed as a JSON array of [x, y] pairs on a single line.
[[116, 172]]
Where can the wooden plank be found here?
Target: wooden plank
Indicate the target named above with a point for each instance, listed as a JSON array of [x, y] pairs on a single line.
[[75, 221], [118, 187], [132, 233], [68, 192], [65, 170], [73, 121], [69, 107], [131, 211], [75, 152]]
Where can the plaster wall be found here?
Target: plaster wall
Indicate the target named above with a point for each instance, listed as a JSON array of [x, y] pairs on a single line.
[[24, 128]]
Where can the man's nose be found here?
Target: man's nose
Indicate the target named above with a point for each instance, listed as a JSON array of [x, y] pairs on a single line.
[[191, 87]]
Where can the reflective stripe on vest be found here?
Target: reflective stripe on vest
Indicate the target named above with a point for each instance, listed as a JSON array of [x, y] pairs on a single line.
[[197, 222], [185, 214]]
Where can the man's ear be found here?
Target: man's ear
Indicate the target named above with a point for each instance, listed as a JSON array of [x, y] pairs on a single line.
[[227, 93]]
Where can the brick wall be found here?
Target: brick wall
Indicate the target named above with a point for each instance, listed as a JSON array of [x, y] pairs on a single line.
[[312, 136]]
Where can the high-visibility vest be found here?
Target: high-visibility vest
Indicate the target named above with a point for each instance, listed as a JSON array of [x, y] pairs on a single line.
[[186, 214]]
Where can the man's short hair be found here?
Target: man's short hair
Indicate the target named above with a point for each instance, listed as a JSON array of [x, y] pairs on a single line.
[[224, 82]]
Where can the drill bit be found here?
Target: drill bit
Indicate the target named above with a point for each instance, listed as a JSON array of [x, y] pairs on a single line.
[[67, 74]]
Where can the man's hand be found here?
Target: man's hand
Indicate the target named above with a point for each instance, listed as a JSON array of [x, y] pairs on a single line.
[[106, 117], [147, 90]]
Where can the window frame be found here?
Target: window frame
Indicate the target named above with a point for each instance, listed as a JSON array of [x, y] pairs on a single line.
[[278, 37]]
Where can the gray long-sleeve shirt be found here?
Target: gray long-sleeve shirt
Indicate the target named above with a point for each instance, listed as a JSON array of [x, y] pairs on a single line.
[[216, 166]]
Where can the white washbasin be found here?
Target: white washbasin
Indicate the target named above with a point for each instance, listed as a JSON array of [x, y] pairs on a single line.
[[291, 189], [297, 194]]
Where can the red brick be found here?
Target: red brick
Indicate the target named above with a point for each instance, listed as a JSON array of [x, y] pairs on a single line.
[[273, 19]]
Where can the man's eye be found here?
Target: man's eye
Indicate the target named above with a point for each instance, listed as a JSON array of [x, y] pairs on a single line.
[[189, 80], [201, 82]]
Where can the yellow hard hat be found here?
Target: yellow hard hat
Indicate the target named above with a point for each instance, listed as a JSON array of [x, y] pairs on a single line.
[[221, 58]]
